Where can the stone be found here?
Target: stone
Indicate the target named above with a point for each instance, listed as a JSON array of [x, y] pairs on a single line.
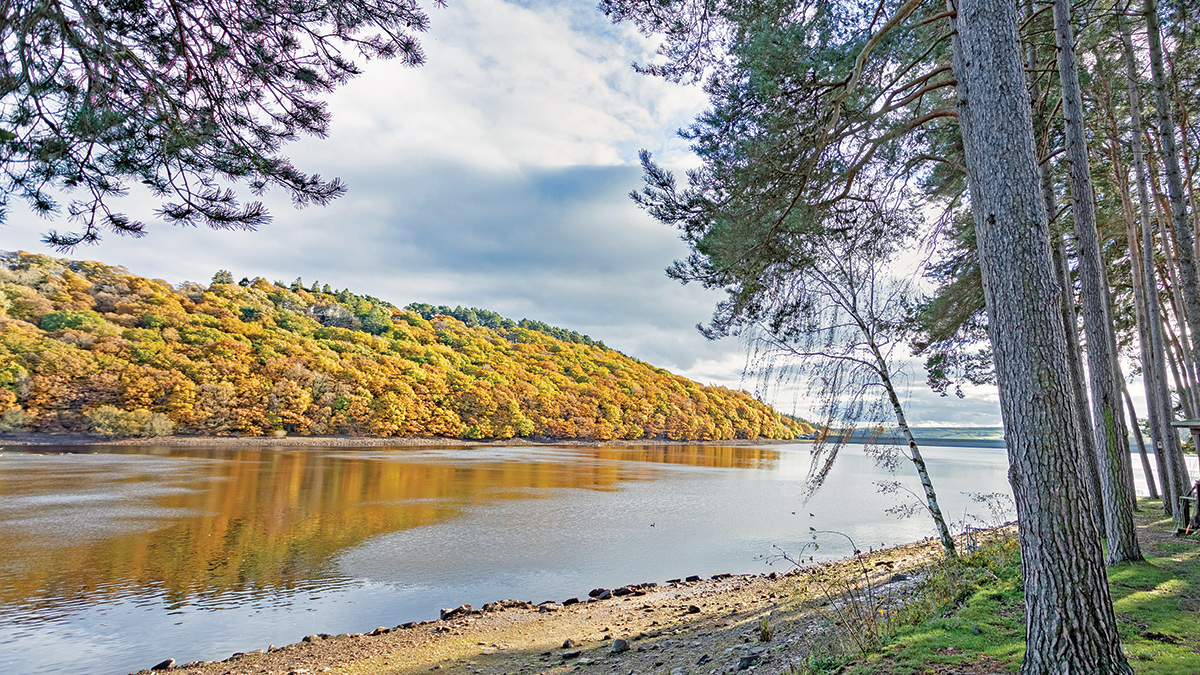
[[899, 576], [570, 601], [596, 591], [680, 670], [380, 631], [624, 590], [758, 650], [165, 665], [457, 611], [573, 654], [568, 643], [723, 575], [604, 595], [673, 581], [704, 658], [747, 661], [692, 609], [311, 638], [694, 577]]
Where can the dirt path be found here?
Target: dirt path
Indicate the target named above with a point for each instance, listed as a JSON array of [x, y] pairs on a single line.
[[687, 627]]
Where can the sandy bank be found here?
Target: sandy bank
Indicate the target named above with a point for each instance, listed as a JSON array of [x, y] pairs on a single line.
[[699, 626]]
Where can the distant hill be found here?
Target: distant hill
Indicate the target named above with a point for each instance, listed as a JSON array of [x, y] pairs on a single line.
[[971, 437], [90, 347]]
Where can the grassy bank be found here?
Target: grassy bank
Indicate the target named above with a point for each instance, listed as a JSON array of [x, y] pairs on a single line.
[[975, 611]]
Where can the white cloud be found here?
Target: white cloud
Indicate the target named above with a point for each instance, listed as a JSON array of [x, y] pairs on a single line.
[[494, 176], [509, 86]]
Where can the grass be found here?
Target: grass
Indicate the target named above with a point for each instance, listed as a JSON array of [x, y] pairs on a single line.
[[969, 615]]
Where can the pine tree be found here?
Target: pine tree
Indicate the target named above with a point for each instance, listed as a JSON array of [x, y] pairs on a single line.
[[186, 98]]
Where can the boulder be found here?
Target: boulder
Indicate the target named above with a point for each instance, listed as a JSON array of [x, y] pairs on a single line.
[[694, 577], [747, 661], [596, 591], [165, 665], [618, 646]]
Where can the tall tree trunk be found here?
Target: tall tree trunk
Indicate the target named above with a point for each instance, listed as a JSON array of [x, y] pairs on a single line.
[[1058, 253], [1138, 278], [1070, 625], [1058, 235], [1141, 445], [1169, 272], [1112, 438], [1186, 247], [1142, 272]]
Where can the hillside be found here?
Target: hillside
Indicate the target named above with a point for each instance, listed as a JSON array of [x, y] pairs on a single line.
[[86, 347]]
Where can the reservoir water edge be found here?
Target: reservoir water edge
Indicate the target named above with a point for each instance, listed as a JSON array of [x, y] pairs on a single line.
[[115, 558]]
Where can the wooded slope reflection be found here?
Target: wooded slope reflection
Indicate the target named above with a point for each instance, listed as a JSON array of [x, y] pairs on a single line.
[[197, 523]]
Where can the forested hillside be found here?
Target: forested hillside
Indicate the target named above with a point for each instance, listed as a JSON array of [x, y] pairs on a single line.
[[89, 347]]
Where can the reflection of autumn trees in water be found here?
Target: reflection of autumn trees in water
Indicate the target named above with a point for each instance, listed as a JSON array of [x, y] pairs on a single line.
[[84, 346], [261, 519]]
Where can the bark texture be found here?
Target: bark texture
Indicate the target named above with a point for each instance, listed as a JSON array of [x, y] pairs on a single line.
[[1112, 437], [1070, 626]]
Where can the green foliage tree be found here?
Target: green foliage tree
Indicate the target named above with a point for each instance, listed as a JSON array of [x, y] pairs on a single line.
[[185, 98]]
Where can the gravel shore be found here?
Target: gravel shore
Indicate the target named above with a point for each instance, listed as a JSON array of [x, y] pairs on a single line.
[[680, 627]]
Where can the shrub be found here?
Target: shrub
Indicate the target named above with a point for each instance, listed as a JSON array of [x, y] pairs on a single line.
[[108, 420], [67, 318], [14, 419]]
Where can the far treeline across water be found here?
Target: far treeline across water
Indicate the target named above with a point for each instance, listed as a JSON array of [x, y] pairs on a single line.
[[86, 347]]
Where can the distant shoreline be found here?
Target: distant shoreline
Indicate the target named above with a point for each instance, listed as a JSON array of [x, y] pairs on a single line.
[[77, 440]]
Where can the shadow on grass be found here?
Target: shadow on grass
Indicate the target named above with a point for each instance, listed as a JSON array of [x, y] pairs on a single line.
[[1157, 604]]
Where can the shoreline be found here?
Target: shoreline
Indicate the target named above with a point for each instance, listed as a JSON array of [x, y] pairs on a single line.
[[77, 440], [702, 625]]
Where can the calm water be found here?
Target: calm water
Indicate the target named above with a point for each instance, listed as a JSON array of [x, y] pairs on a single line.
[[112, 560]]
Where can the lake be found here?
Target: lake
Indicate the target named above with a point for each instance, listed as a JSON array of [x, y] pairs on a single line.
[[115, 558]]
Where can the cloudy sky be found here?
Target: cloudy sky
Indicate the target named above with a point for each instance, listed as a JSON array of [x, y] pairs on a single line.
[[494, 176]]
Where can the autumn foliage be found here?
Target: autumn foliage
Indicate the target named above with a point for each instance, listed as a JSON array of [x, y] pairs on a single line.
[[89, 347]]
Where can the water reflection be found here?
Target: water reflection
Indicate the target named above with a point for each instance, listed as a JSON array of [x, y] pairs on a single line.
[[113, 560], [196, 525]]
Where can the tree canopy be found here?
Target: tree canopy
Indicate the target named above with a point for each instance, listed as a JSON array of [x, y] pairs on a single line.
[[85, 347], [193, 100]]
